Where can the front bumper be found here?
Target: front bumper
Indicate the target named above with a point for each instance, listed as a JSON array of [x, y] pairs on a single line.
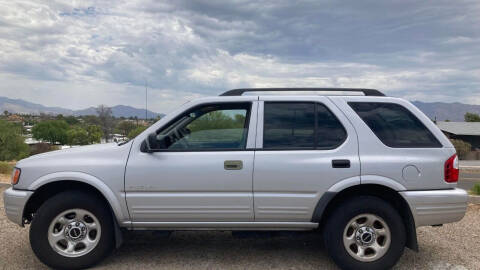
[[433, 207], [15, 201]]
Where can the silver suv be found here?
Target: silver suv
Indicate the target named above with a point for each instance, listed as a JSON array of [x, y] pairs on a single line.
[[363, 169]]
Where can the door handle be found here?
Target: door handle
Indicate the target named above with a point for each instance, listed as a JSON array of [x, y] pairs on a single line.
[[340, 163], [233, 165]]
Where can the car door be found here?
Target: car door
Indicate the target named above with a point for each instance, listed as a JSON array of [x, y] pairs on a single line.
[[199, 171], [304, 147]]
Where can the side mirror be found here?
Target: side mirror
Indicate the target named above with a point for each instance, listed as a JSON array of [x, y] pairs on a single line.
[[150, 144]]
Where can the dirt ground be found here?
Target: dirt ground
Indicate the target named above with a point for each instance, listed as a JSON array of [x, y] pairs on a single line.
[[453, 246], [5, 179]]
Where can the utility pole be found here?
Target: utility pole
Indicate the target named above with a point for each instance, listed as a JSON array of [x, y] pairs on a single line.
[[146, 102]]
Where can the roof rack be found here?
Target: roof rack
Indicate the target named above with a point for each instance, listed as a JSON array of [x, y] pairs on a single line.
[[366, 92]]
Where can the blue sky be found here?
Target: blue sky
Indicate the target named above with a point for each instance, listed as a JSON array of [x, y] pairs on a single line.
[[77, 54]]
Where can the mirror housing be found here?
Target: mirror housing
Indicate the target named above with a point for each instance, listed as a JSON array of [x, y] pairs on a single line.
[[150, 144]]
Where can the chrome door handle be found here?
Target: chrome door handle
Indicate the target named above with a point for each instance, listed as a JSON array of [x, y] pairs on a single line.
[[233, 165]]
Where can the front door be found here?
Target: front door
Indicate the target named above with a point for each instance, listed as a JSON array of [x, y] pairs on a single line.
[[200, 170]]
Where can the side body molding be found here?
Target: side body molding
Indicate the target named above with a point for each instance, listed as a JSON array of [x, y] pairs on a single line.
[[116, 201]]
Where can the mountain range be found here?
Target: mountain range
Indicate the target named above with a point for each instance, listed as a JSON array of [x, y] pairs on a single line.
[[26, 107], [440, 111]]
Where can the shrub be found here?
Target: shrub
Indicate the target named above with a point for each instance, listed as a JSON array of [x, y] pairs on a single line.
[[12, 145], [6, 167], [42, 148], [132, 134], [476, 189], [463, 148]]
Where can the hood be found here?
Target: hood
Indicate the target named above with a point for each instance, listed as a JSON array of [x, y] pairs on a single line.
[[66, 153], [91, 159]]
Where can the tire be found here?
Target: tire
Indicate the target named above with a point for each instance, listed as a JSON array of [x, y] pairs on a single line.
[[347, 227], [95, 229]]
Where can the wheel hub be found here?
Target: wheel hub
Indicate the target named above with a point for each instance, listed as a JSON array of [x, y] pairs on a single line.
[[365, 236], [75, 231]]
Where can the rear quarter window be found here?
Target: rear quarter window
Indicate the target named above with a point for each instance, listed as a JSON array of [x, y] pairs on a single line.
[[395, 125]]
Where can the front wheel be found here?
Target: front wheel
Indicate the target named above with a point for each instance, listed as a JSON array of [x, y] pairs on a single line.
[[72, 230], [365, 233]]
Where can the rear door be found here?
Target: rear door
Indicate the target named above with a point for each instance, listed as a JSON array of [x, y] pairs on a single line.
[[399, 145], [304, 147]]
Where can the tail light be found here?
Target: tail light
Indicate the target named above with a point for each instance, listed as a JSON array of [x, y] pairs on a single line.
[[451, 169], [15, 176]]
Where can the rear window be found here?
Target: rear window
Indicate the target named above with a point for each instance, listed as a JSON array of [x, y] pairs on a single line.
[[394, 125]]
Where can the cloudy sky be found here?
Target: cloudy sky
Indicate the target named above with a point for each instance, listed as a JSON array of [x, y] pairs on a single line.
[[76, 54]]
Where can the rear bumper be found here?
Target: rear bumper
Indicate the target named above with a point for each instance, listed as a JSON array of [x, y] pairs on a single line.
[[432, 207], [15, 201]]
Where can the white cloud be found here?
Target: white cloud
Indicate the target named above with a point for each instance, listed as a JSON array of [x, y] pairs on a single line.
[[82, 53]]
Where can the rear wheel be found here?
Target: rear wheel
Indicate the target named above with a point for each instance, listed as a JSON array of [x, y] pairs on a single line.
[[72, 230], [365, 233]]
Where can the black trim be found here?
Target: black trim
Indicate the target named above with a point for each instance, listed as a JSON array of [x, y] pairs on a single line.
[[239, 92], [315, 103], [322, 205]]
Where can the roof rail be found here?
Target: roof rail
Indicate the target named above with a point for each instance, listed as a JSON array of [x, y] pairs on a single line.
[[366, 92]]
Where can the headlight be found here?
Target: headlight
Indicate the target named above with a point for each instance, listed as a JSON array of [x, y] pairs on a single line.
[[15, 176]]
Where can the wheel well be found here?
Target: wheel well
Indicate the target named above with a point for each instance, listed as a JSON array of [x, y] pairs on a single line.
[[51, 189], [382, 192]]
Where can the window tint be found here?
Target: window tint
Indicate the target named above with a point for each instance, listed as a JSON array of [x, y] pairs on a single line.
[[289, 125], [208, 128], [330, 132], [394, 125], [301, 126]]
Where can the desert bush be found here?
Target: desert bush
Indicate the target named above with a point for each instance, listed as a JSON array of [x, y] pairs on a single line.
[[12, 145], [42, 148], [6, 167], [462, 147], [476, 189]]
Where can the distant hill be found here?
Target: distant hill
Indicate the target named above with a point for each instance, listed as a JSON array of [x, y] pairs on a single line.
[[446, 111], [25, 107], [440, 110]]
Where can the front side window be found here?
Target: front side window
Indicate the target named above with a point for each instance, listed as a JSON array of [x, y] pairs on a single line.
[[211, 127], [395, 125], [301, 125]]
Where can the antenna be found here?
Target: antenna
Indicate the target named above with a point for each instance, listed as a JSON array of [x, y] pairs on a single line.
[[146, 101]]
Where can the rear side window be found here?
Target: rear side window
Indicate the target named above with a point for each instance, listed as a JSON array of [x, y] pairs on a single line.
[[289, 125], [301, 125], [395, 125]]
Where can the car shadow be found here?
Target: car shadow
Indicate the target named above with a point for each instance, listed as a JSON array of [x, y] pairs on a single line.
[[220, 250]]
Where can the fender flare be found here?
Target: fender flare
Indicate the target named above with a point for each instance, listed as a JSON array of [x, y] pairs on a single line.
[[91, 180]]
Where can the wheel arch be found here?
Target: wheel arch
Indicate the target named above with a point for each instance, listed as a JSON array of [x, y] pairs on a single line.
[[330, 200], [51, 188]]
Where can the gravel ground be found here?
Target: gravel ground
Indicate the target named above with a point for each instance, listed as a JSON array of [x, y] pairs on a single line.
[[453, 246]]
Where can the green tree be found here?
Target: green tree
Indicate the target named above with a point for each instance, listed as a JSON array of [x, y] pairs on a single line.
[[77, 136], [71, 120], [472, 117], [124, 127], [12, 144], [94, 133], [52, 131], [91, 119], [132, 134]]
